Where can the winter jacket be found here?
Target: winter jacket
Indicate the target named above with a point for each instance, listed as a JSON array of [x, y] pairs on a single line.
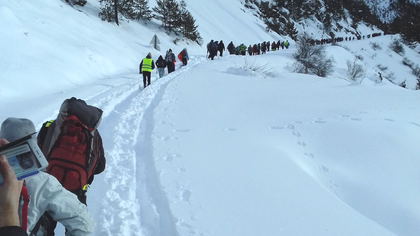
[[147, 64], [211, 47], [160, 63], [48, 195], [185, 55], [231, 48], [221, 46], [170, 57]]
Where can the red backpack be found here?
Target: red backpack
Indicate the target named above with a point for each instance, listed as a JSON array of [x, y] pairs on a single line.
[[73, 145]]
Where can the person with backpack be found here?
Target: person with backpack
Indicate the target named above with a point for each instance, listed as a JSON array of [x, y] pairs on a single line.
[[161, 65], [170, 61], [73, 148], [211, 49], [286, 44], [242, 49], [263, 48], [45, 193], [145, 68], [183, 56], [255, 50]]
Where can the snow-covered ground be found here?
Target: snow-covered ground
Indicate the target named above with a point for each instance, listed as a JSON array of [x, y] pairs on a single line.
[[216, 148]]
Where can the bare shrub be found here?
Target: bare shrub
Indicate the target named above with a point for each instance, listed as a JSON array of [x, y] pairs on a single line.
[[375, 46], [382, 68], [355, 71], [312, 59], [397, 47], [416, 71], [360, 57], [263, 69], [407, 62]]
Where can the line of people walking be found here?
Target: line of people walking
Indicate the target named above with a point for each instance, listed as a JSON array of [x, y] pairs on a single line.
[[147, 64], [213, 47]]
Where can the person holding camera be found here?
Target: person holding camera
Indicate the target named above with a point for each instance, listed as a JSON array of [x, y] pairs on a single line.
[[46, 193], [9, 199]]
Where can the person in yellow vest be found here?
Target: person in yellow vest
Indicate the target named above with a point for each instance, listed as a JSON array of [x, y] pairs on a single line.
[[146, 67]]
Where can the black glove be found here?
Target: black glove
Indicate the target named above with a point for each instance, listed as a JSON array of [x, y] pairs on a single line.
[[140, 72]]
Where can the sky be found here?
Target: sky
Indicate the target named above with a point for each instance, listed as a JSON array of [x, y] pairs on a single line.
[[240, 145]]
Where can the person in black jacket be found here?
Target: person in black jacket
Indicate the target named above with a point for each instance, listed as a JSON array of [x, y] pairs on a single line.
[[161, 64], [9, 199], [231, 48], [221, 47]]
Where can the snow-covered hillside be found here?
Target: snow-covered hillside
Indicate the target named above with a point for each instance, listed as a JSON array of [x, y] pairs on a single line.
[[220, 147]]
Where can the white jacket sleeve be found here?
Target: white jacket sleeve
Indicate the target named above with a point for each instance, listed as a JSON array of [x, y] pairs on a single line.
[[48, 195]]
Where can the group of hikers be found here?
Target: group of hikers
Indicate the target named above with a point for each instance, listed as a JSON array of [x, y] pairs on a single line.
[[147, 64], [342, 39], [73, 149], [213, 47]]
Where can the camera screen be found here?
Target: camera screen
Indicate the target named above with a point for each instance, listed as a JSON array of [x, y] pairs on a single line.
[[22, 160]]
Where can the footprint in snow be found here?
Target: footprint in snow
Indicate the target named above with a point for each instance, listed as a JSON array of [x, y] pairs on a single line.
[[295, 133], [291, 127], [324, 169], [311, 155], [301, 143]]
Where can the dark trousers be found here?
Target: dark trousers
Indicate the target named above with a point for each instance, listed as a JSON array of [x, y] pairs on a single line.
[[171, 67], [184, 61], [146, 78]]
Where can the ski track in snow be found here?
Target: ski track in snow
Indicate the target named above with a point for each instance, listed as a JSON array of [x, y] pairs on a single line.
[[133, 189]]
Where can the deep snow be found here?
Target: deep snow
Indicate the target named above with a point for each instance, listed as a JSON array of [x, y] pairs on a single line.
[[216, 148]]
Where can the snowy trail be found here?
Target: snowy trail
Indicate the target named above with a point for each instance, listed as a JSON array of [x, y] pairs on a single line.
[[127, 129]]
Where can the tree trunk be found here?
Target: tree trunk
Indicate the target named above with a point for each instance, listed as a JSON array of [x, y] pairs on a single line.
[[116, 11]]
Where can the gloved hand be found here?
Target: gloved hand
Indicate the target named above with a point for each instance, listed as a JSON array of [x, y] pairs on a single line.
[[140, 72]]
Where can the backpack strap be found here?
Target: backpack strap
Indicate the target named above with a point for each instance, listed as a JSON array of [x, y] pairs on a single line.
[[25, 198], [44, 221], [42, 134]]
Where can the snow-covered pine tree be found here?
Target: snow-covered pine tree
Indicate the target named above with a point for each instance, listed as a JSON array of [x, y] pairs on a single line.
[[167, 11], [291, 30], [109, 10], [136, 10], [187, 24]]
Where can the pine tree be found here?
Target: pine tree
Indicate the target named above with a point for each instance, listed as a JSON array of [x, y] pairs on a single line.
[[136, 10], [167, 11], [187, 24], [335, 7], [190, 28], [109, 10], [327, 22], [291, 30]]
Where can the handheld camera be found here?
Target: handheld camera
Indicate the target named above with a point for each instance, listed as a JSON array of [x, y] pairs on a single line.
[[25, 157]]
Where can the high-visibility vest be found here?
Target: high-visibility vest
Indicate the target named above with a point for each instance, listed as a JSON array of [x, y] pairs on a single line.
[[147, 65]]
